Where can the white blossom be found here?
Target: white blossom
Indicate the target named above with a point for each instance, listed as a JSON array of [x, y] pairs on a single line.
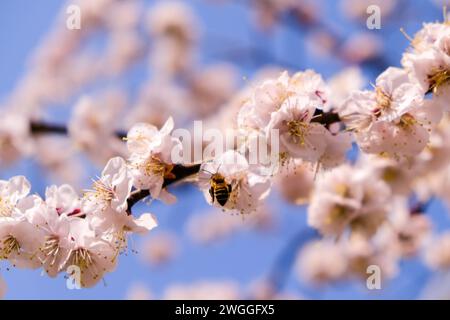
[[19, 242], [150, 158], [392, 119], [15, 137], [93, 255], [348, 198], [428, 62], [112, 189], [92, 126], [288, 105]]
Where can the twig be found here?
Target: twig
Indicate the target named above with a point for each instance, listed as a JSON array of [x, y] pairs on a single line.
[[420, 207], [39, 128], [325, 118]]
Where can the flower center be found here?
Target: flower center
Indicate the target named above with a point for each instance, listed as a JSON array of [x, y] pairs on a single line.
[[383, 101], [103, 191], [154, 166], [438, 79], [176, 32], [8, 246], [342, 190], [5, 142], [121, 242], [407, 121], [81, 258], [359, 264], [50, 249], [390, 174], [298, 131], [337, 214], [283, 158]]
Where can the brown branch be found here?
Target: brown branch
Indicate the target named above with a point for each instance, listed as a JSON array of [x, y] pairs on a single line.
[[39, 128], [325, 118], [420, 207]]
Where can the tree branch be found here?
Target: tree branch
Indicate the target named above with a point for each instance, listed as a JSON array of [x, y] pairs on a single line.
[[325, 118], [420, 207], [39, 128]]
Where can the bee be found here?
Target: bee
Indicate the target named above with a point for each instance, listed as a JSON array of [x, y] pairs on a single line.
[[220, 190]]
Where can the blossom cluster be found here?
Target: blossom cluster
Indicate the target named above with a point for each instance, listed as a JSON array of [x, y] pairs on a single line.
[[290, 106], [400, 126], [364, 210], [65, 229]]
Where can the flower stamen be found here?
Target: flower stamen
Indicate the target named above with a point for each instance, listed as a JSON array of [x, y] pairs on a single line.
[[9, 245]]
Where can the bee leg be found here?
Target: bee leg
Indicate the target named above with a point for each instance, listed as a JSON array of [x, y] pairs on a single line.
[[230, 188]]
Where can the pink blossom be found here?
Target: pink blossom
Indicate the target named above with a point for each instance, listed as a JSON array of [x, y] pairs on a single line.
[[391, 119], [150, 157], [348, 198]]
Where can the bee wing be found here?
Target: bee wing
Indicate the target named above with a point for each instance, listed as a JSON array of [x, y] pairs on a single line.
[[191, 179], [203, 180]]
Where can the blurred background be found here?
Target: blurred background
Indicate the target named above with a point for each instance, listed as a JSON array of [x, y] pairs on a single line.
[[132, 54]]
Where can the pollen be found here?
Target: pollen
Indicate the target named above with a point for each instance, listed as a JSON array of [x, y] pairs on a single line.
[[50, 249], [337, 213], [5, 208], [283, 158], [437, 79], [120, 241], [407, 121], [154, 166], [103, 190], [9, 245], [342, 190], [383, 101], [390, 174], [298, 131], [81, 258]]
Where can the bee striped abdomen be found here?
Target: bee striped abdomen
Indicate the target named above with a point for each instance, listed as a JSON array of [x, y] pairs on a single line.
[[222, 194]]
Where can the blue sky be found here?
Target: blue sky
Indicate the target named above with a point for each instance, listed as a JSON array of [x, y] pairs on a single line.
[[247, 256]]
